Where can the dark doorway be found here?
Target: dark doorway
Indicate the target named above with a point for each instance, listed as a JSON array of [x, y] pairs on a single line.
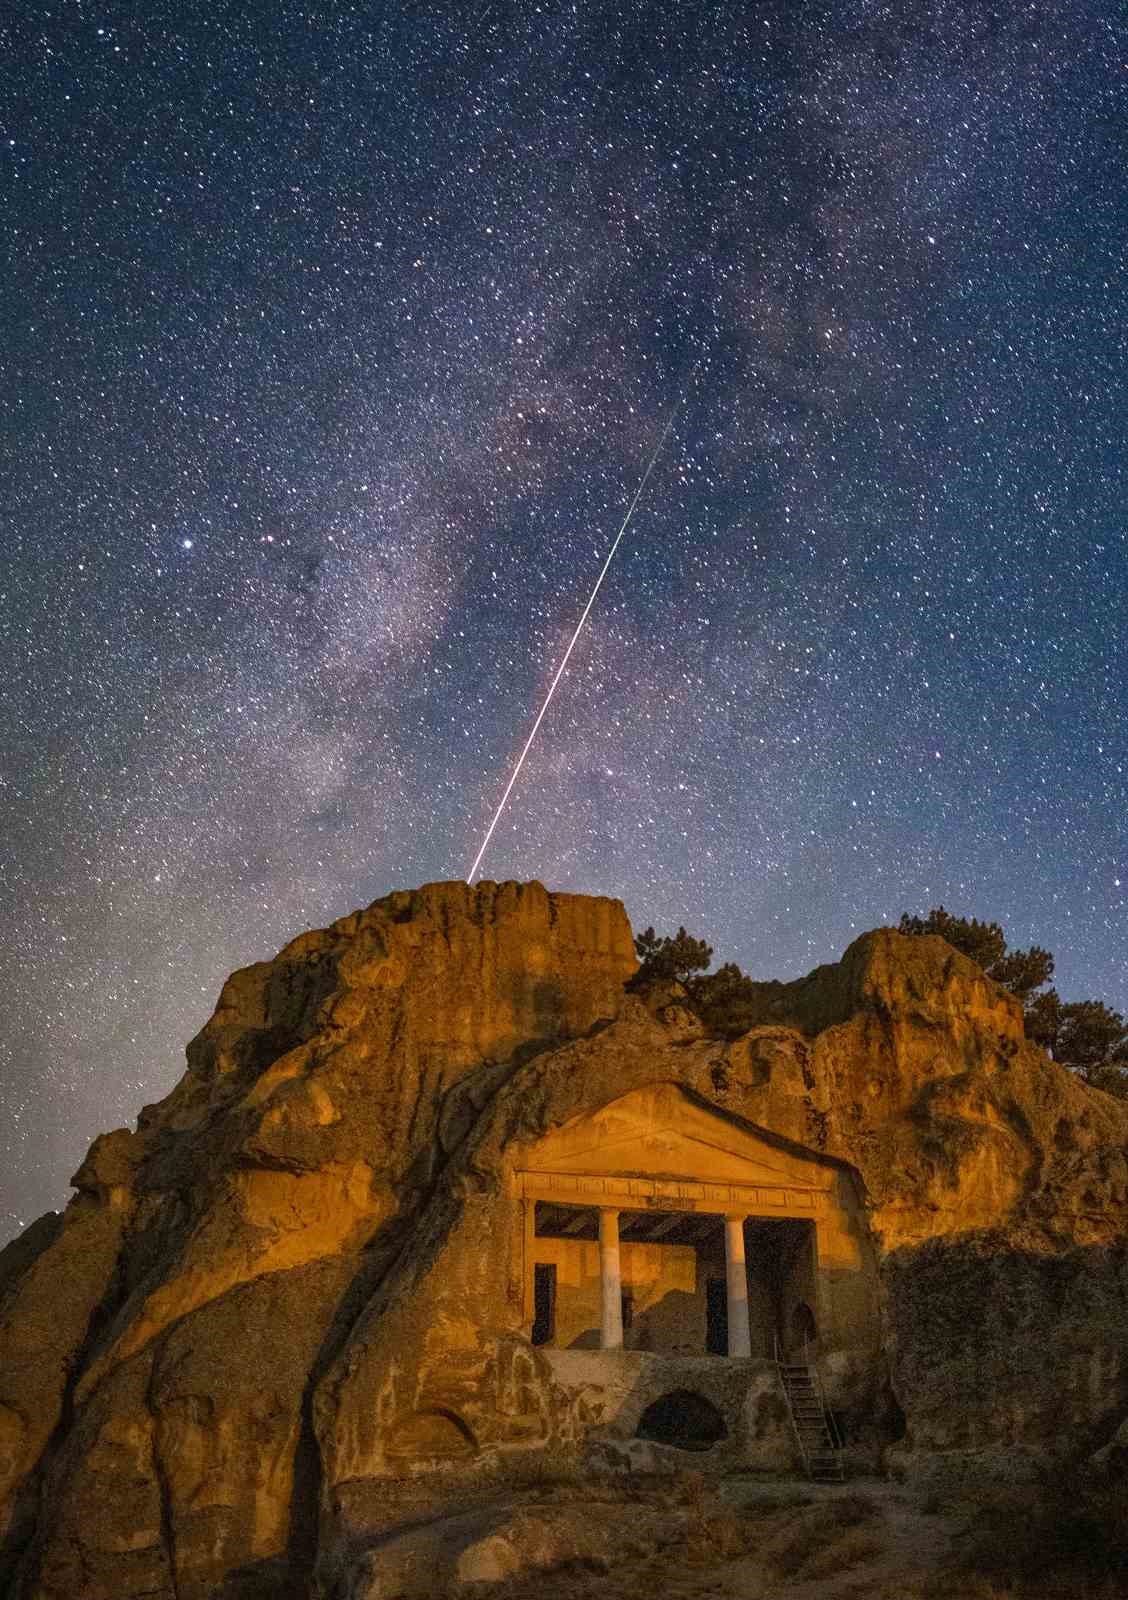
[[685, 1420], [716, 1316], [804, 1332], [544, 1302]]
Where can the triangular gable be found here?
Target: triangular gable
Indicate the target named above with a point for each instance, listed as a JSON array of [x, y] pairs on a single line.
[[665, 1154], [660, 1132]]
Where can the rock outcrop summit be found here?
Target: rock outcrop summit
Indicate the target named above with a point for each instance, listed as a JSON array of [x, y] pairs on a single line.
[[439, 1195]]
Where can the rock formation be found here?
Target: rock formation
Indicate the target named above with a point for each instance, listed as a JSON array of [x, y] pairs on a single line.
[[306, 1276]]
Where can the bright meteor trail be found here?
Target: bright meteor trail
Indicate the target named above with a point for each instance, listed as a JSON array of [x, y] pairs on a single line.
[[515, 774]]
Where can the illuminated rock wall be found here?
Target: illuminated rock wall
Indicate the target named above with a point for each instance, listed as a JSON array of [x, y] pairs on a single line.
[[305, 1274]]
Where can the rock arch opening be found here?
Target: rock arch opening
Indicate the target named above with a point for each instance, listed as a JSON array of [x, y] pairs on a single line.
[[436, 1437], [685, 1420]]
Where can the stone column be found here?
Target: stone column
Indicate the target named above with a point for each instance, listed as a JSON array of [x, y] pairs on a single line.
[[610, 1281], [736, 1277]]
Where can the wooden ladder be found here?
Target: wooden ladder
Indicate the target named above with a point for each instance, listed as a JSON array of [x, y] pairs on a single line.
[[813, 1426]]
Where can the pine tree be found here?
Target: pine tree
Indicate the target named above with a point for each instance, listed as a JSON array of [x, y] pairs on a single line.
[[985, 943], [670, 958]]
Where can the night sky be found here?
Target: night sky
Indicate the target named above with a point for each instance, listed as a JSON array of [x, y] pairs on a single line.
[[334, 342]]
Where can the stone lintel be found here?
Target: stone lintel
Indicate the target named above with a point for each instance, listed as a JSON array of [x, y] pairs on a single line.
[[674, 1194]]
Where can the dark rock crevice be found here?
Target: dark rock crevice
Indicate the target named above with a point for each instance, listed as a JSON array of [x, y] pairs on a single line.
[[164, 1487], [20, 1548]]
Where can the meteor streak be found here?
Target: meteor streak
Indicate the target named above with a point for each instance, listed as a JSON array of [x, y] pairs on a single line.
[[516, 773]]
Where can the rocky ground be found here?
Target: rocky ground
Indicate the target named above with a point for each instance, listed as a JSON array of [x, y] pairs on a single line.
[[744, 1539]]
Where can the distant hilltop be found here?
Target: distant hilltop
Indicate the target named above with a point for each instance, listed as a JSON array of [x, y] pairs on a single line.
[[438, 1195]]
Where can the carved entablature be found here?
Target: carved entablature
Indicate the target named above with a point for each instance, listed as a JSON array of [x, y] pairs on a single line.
[[669, 1194]]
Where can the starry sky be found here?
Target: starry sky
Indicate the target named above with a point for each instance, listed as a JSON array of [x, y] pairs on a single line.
[[335, 340]]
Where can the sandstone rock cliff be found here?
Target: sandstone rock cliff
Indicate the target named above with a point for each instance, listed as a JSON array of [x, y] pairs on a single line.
[[204, 1364]]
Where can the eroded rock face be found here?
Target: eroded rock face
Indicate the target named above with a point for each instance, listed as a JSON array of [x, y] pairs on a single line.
[[295, 1281]]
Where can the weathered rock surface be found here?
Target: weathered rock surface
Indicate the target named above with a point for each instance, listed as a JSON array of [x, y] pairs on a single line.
[[291, 1281]]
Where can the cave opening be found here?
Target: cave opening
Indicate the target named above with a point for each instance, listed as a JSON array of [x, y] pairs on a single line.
[[685, 1420]]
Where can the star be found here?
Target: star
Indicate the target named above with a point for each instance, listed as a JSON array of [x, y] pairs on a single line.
[[390, 314]]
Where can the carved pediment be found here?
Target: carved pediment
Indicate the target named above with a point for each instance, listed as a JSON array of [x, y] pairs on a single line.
[[660, 1132], [665, 1153]]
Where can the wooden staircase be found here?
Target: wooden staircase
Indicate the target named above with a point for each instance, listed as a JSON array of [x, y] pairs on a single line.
[[813, 1425]]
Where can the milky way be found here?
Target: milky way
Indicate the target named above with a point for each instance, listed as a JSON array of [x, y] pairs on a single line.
[[334, 344]]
